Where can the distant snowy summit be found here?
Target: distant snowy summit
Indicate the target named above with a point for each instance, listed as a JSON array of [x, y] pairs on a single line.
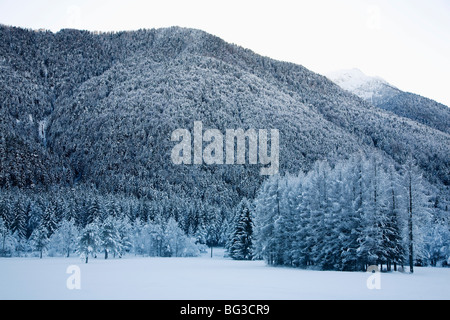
[[372, 89], [383, 95]]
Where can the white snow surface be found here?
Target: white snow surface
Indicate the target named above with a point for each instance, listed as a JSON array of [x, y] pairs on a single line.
[[206, 278]]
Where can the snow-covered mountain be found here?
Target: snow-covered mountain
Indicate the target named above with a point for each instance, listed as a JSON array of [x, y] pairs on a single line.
[[87, 121], [372, 89], [386, 96]]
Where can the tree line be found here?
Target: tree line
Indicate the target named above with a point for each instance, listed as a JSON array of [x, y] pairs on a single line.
[[63, 222], [346, 216]]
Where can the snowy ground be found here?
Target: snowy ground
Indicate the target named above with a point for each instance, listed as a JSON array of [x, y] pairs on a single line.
[[204, 278]]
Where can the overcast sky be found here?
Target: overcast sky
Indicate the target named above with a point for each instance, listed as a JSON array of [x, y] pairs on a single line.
[[406, 42]]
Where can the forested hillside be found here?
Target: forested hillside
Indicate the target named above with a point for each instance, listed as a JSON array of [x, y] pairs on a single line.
[[87, 120]]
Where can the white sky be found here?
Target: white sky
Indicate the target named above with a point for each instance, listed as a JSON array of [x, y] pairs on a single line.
[[406, 42]]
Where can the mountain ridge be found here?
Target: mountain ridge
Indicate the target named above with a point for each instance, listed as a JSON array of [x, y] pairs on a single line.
[[112, 99]]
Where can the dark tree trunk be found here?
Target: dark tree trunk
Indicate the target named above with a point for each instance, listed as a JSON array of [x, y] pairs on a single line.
[[106, 254]]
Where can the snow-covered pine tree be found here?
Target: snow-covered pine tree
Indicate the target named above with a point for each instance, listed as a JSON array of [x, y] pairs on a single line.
[[393, 240], [19, 218], [301, 251], [385, 220], [64, 239], [330, 255], [153, 239], [94, 210], [48, 218], [200, 234], [352, 227], [418, 211], [266, 211], [125, 228], [241, 244], [110, 208], [5, 209], [213, 230], [285, 225], [295, 220], [89, 240], [174, 239], [3, 160], [319, 206], [350, 220], [109, 236], [438, 239], [39, 239], [70, 209], [137, 238], [5, 239], [370, 237]]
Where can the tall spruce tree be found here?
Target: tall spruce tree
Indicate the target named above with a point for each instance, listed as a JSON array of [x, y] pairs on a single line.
[[109, 236], [418, 212], [241, 244], [267, 208]]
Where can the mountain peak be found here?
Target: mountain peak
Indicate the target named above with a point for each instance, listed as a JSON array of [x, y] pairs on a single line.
[[366, 87], [353, 79], [385, 96]]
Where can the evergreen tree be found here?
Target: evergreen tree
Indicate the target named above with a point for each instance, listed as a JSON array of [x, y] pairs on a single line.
[[95, 210], [19, 218], [285, 225], [124, 228], [418, 212], [64, 238], [174, 239], [213, 230], [350, 219], [3, 160], [39, 239], [5, 239], [110, 237], [320, 207], [267, 210], [48, 219], [89, 240], [241, 245], [5, 210], [301, 251], [393, 241], [330, 255], [153, 242], [137, 237]]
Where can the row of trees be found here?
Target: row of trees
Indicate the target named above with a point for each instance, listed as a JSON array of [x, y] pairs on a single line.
[[89, 223], [111, 236], [339, 216], [356, 213]]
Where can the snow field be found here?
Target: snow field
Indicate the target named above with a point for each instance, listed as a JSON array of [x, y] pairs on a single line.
[[204, 278]]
